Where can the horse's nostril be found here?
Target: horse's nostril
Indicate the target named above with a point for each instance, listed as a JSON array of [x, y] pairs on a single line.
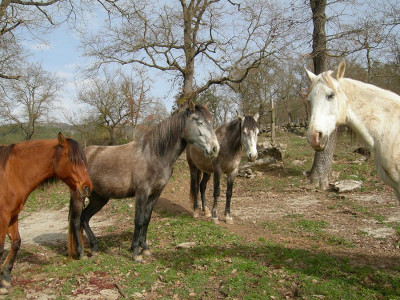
[[214, 149]]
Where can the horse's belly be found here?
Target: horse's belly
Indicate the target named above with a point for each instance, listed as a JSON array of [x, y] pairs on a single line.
[[113, 186]]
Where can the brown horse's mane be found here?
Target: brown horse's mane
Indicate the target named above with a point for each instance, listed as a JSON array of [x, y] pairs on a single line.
[[250, 123], [5, 152], [75, 155], [166, 133]]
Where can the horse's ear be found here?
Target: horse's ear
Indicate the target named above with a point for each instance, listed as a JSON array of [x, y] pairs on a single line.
[[339, 73], [311, 76], [256, 116], [206, 104], [192, 106], [240, 117], [61, 139]]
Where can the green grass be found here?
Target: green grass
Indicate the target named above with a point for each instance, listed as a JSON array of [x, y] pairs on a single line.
[[51, 196], [220, 265]]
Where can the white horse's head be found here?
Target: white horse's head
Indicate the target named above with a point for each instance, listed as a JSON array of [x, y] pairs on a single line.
[[328, 106], [249, 135]]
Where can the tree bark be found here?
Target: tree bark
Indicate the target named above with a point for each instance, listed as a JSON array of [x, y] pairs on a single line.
[[322, 165]]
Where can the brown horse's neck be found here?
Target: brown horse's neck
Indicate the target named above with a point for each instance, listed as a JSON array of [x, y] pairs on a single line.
[[33, 162]]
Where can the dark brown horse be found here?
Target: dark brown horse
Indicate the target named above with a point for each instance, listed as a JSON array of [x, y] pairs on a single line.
[[23, 167], [142, 169], [242, 132]]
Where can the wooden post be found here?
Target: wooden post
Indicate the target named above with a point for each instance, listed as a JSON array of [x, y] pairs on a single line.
[[272, 122]]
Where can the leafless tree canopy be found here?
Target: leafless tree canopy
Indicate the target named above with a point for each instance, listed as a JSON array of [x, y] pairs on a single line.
[[30, 99], [222, 38]]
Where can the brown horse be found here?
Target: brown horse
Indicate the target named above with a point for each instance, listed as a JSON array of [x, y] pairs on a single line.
[[231, 137], [23, 167], [142, 169]]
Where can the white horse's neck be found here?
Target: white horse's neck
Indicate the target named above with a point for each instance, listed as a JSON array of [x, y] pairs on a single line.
[[369, 108]]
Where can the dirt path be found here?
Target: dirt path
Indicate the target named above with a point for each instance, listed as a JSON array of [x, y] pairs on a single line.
[[50, 227]]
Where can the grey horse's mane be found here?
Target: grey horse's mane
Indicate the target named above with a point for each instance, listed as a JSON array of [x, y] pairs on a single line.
[[165, 134]]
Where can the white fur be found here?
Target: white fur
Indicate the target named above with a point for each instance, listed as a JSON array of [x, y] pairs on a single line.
[[371, 112]]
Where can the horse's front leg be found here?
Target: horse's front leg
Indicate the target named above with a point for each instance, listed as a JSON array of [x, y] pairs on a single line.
[[13, 233], [229, 189], [140, 209], [203, 187], [147, 216], [194, 187], [217, 192]]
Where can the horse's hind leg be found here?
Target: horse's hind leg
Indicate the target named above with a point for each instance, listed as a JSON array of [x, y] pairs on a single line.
[[229, 189], [4, 222], [8, 264], [96, 203], [203, 187]]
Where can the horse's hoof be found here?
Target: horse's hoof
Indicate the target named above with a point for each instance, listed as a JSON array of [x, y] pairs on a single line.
[[146, 252], [229, 221], [138, 259], [5, 283], [215, 220], [3, 291], [195, 214], [207, 213]]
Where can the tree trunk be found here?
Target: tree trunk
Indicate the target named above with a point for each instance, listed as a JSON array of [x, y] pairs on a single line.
[[322, 165], [188, 42]]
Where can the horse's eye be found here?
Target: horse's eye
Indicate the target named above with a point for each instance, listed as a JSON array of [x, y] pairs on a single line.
[[330, 96]]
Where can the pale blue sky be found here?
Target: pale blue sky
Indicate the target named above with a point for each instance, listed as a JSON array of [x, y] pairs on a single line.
[[61, 55]]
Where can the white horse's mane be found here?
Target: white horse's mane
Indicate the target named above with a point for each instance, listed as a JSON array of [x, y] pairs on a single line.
[[328, 79]]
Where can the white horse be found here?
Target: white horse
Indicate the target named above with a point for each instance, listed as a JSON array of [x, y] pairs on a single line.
[[371, 112]]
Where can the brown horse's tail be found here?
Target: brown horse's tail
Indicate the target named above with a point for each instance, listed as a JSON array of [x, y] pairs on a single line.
[[198, 177], [75, 206]]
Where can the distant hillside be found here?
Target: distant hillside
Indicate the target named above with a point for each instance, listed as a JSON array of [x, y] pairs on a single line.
[[12, 134]]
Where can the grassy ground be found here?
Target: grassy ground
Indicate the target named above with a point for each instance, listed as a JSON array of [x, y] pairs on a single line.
[[222, 263]]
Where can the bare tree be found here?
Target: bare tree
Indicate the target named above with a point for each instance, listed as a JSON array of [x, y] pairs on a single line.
[[322, 164], [30, 99], [22, 18], [221, 102], [108, 105], [135, 89], [225, 38]]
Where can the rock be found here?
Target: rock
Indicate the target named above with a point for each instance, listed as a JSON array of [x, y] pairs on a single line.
[[299, 162], [187, 245], [269, 150], [343, 186], [258, 162]]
